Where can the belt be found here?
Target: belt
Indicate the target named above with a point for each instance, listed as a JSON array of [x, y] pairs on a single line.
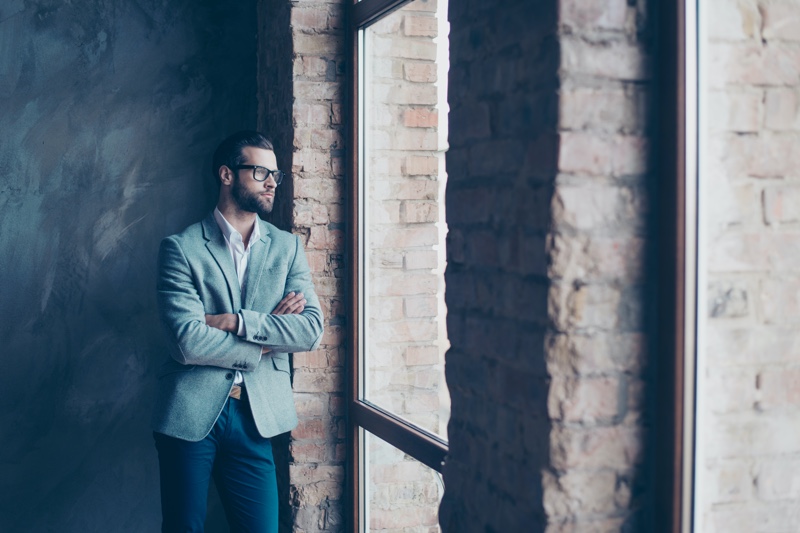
[[237, 391]]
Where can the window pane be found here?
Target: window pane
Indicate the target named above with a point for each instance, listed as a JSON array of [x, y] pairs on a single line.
[[402, 493], [404, 140]]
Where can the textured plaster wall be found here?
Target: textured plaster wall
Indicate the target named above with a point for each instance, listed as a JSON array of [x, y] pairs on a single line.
[[108, 111]]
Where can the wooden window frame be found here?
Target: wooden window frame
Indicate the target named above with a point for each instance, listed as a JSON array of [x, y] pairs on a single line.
[[676, 159], [677, 235], [416, 442]]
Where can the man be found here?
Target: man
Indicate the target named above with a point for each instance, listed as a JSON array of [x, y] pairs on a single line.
[[236, 296]]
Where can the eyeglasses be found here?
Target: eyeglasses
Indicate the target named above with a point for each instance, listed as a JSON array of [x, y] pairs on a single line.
[[261, 173]]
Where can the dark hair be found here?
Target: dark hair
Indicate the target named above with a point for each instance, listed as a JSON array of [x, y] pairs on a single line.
[[229, 151]]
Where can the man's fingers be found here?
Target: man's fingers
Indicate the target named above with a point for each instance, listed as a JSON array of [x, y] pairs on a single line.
[[296, 307], [290, 303]]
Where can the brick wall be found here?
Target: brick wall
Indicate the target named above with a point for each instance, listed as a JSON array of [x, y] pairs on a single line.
[[404, 286], [597, 244], [302, 82], [547, 208], [749, 466], [546, 205], [405, 347], [501, 167]]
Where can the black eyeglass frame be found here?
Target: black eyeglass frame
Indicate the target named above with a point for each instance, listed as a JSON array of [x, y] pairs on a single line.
[[277, 175]]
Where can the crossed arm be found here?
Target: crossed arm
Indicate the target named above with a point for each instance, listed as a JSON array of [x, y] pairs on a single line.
[[292, 304], [200, 339]]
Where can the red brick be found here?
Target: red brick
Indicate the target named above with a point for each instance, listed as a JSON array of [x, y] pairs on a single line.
[[309, 404], [322, 238], [317, 260], [421, 118], [307, 452], [310, 429]]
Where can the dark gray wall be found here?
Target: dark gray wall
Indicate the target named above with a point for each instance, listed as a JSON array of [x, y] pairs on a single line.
[[108, 113]]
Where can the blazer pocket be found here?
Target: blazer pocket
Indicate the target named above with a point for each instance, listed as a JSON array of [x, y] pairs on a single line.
[[281, 364]]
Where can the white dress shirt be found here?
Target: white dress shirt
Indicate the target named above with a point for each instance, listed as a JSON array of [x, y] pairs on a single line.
[[240, 253]]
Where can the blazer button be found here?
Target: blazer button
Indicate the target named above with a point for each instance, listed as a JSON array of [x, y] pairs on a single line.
[[228, 376]]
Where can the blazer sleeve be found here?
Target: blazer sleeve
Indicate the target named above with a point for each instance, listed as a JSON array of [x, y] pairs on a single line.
[[183, 314], [289, 333]]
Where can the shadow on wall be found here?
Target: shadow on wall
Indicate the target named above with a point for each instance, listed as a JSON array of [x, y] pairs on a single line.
[[109, 113]]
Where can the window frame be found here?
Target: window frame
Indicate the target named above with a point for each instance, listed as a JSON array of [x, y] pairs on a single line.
[[676, 334], [420, 444]]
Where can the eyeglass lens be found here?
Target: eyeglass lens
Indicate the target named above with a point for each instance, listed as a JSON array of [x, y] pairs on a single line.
[[261, 173]]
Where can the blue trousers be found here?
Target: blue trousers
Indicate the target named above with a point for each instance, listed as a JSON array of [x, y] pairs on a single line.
[[241, 463]]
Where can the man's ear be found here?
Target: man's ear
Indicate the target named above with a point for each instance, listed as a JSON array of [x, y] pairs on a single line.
[[225, 175]]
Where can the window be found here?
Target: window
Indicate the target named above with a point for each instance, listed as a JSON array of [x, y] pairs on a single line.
[[398, 402]]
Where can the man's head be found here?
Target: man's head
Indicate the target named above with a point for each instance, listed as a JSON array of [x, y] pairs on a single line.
[[251, 188]]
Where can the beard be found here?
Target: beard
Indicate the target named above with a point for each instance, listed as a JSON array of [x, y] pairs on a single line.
[[250, 201]]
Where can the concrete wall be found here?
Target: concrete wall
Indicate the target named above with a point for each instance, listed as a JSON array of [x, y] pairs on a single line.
[[109, 113]]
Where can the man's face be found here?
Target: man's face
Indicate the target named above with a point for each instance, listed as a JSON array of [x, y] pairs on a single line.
[[251, 195]]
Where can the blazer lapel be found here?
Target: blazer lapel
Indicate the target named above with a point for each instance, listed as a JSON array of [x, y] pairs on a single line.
[[215, 242], [256, 265]]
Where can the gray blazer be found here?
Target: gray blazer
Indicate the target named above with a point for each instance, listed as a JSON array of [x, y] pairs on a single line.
[[196, 276]]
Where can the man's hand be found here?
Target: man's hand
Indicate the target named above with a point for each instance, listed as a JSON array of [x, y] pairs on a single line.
[[292, 304], [226, 322]]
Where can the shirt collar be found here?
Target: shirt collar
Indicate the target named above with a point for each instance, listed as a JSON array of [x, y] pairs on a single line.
[[228, 230]]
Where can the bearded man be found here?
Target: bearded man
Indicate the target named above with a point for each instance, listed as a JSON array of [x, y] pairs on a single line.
[[236, 297]]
